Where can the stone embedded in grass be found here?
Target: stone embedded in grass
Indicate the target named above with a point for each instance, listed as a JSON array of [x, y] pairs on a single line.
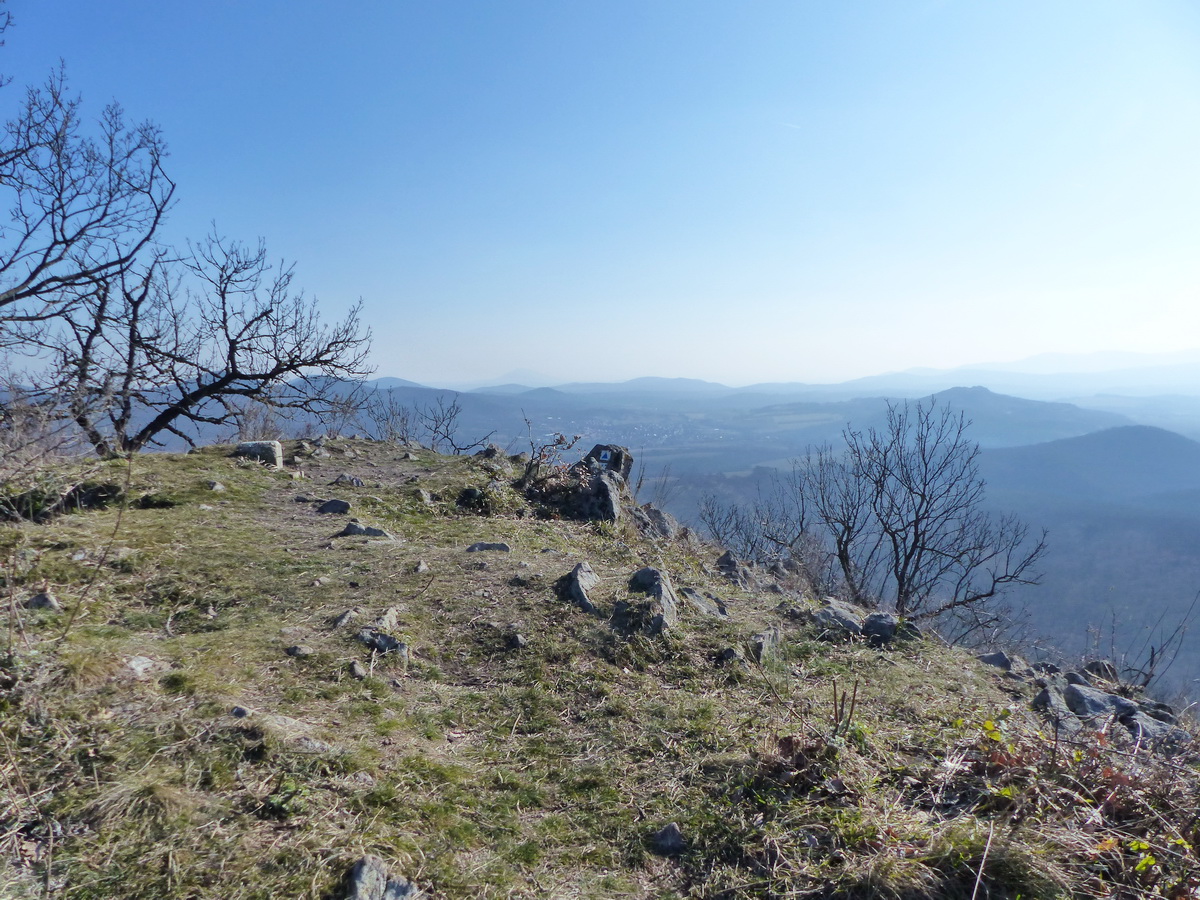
[[705, 604], [354, 528], [484, 546], [765, 644], [668, 841], [299, 651], [382, 642], [351, 480], [216, 487], [345, 618], [356, 670], [421, 567], [43, 600], [574, 586], [334, 507], [269, 452], [652, 617], [999, 659], [369, 880], [389, 619], [144, 666], [837, 621]]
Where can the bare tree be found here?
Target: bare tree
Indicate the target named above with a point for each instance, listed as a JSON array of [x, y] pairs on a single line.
[[900, 512], [82, 204], [941, 549], [392, 420], [184, 343], [440, 421]]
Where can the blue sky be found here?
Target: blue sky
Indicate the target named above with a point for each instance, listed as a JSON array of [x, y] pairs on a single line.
[[734, 191]]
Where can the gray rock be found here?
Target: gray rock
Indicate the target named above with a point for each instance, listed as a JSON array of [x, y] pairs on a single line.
[[382, 642], [345, 618], [421, 567], [1161, 711], [765, 644], [388, 619], [351, 480], [836, 621], [1049, 701], [1076, 678], [423, 497], [729, 656], [334, 507], [485, 546], [668, 841], [612, 458], [356, 670], [355, 528], [653, 522], [143, 666], [1155, 733], [705, 604], [299, 650], [574, 586], [269, 452], [999, 659], [737, 572], [216, 487], [880, 628], [43, 600], [1104, 670], [1087, 702], [369, 880], [655, 616]]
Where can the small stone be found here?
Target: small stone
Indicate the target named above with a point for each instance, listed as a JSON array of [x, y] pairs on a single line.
[[668, 841], [389, 619], [421, 567], [999, 659], [348, 479], [729, 656], [239, 712], [357, 672], [381, 642], [484, 546], [574, 586], [216, 487], [142, 666], [764, 645], [354, 528], [369, 880], [44, 600], [345, 618], [516, 641], [299, 651], [334, 507]]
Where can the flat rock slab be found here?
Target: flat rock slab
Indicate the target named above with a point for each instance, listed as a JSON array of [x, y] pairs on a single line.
[[485, 546], [334, 507]]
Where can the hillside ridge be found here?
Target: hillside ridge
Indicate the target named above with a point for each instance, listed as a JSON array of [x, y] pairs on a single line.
[[224, 690]]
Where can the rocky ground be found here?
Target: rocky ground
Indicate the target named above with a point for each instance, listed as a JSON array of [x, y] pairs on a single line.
[[376, 671]]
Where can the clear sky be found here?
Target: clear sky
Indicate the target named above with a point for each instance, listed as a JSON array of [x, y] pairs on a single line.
[[738, 191]]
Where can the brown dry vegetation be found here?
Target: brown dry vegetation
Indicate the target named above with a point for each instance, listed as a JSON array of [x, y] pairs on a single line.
[[479, 769]]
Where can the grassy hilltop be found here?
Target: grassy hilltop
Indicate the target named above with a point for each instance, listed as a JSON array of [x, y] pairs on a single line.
[[200, 717]]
